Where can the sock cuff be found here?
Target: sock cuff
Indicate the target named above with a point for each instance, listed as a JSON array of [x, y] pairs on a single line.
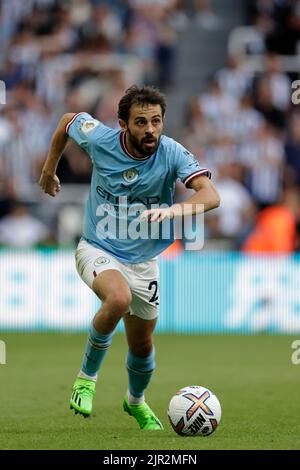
[[141, 364], [83, 375], [99, 338]]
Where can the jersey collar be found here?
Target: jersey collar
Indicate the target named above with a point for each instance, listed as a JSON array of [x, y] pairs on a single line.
[[122, 143]]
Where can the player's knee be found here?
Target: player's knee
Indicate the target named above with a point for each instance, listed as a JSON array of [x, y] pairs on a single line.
[[142, 349], [118, 303]]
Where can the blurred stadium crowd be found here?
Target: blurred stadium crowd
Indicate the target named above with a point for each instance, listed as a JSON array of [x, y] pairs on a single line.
[[74, 55]]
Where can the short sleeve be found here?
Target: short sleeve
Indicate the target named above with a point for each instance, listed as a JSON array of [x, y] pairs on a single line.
[[81, 128], [188, 167]]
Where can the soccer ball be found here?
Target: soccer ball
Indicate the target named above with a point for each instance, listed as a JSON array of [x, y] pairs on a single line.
[[194, 411]]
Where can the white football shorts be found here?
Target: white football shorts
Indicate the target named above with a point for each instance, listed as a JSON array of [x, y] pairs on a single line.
[[142, 278]]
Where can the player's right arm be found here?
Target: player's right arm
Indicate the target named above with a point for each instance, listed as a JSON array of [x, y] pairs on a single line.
[[49, 182]]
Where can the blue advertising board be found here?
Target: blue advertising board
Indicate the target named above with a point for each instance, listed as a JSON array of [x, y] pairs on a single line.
[[201, 292]]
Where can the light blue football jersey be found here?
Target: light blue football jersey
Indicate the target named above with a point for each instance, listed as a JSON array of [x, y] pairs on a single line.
[[122, 186]]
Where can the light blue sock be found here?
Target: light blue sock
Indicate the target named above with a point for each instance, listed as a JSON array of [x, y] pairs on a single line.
[[96, 349], [140, 370]]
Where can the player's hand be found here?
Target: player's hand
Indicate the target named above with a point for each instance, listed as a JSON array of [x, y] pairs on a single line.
[[157, 215], [49, 184]]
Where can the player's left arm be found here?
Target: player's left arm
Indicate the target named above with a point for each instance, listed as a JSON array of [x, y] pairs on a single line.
[[205, 199]]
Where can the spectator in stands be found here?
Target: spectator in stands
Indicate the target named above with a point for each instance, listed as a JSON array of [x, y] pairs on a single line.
[[151, 35], [244, 122], [275, 230], [272, 91], [285, 38], [19, 229], [233, 80], [216, 103], [292, 152], [199, 131], [263, 15], [205, 16], [263, 99], [166, 51], [263, 158], [108, 103], [224, 151], [236, 213], [75, 167], [282, 24], [280, 82]]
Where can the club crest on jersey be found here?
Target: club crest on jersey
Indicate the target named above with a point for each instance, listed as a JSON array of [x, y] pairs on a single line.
[[88, 126], [130, 175], [100, 261]]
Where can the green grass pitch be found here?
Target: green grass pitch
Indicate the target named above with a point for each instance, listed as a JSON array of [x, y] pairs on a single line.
[[253, 377]]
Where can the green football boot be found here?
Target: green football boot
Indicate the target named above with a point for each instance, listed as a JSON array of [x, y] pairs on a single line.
[[82, 396], [144, 415]]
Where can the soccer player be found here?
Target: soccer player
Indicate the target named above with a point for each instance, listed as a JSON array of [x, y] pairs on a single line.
[[134, 166]]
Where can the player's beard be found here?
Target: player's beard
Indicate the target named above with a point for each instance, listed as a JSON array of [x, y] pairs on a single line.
[[140, 145]]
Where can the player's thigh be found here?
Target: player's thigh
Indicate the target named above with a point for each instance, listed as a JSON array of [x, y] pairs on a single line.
[[110, 285], [139, 334], [101, 272]]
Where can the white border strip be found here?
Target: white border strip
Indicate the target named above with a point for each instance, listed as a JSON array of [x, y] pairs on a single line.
[[71, 122], [197, 173]]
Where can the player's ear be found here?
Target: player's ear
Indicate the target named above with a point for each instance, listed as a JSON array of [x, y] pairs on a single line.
[[123, 125]]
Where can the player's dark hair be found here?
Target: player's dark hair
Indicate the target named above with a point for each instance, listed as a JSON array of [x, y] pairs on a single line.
[[140, 96]]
